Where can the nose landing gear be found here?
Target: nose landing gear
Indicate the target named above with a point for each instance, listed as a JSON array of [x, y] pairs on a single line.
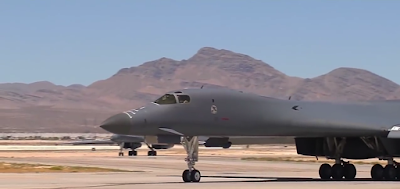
[[191, 145]]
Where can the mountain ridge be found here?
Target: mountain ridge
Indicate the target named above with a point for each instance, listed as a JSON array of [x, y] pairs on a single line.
[[211, 67]]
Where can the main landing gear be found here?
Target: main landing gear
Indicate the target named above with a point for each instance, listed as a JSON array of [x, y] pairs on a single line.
[[191, 145], [344, 170], [390, 172], [347, 171], [152, 152], [121, 150], [132, 153], [340, 170]]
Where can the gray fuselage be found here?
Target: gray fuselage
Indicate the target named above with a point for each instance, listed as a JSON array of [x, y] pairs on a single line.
[[244, 114]]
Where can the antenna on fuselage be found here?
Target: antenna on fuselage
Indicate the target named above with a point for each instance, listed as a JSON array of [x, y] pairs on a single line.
[[290, 97], [201, 86]]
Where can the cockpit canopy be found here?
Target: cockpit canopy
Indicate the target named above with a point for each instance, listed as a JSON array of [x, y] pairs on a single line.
[[173, 98]]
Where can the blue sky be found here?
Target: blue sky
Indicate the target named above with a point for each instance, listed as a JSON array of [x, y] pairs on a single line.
[[78, 41]]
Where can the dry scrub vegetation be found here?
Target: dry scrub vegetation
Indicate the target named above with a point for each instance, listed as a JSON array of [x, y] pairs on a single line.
[[40, 168]]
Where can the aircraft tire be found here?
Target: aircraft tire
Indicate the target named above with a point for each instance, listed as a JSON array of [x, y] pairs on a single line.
[[349, 171], [398, 173], [377, 172], [186, 177], [195, 176], [325, 171], [152, 153], [121, 154], [389, 172], [337, 172], [132, 153]]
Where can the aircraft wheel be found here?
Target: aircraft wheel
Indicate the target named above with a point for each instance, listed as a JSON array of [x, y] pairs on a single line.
[[337, 171], [325, 171], [152, 153], [132, 153], [121, 154], [195, 176], [389, 172], [377, 172], [398, 173], [349, 171], [186, 176]]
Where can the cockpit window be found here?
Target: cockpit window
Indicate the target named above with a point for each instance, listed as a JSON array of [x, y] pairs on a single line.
[[183, 99], [166, 99]]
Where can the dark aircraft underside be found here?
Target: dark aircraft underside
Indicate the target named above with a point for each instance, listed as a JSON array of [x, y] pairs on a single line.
[[134, 145], [335, 148], [352, 148], [165, 144]]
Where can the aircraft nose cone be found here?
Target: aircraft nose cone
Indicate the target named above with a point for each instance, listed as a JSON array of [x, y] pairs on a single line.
[[118, 124]]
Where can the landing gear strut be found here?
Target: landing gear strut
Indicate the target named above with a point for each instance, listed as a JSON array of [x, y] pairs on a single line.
[[340, 169], [191, 145], [152, 152], [121, 150]]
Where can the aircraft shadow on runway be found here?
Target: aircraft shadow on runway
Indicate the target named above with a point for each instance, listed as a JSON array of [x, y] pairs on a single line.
[[259, 179], [282, 179], [285, 179]]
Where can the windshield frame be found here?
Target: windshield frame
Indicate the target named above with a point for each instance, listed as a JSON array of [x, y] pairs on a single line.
[[159, 100], [162, 102]]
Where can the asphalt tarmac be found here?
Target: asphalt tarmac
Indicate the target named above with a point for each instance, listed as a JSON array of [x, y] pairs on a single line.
[[165, 172]]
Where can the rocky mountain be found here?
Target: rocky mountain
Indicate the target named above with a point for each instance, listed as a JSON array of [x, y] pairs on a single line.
[[50, 107]]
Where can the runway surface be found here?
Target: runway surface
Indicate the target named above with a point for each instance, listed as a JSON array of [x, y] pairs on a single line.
[[53, 147], [79, 147], [165, 172]]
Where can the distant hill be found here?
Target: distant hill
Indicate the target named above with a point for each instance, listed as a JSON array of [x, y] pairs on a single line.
[[43, 106]]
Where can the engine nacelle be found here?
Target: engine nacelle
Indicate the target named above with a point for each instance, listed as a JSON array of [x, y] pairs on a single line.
[[223, 145], [218, 142], [132, 145], [126, 138], [163, 139], [162, 146]]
